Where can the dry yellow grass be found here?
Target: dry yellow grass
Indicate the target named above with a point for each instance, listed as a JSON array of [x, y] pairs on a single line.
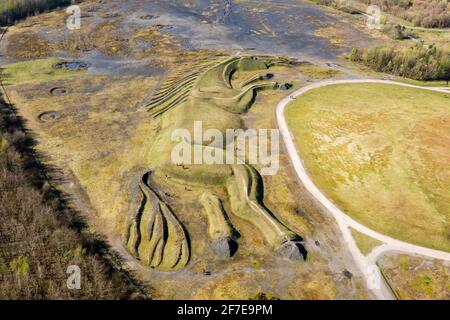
[[417, 278], [381, 153]]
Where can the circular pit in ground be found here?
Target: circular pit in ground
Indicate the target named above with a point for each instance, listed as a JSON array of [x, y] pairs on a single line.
[[59, 91], [49, 116]]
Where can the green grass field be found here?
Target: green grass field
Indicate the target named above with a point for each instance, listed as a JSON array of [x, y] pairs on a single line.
[[414, 278], [34, 71], [365, 243], [382, 154]]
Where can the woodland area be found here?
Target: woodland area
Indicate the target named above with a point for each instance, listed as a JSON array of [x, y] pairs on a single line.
[[40, 235], [422, 13], [416, 62], [13, 10]]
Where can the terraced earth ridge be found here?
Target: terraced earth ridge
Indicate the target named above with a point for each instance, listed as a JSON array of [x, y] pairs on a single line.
[[207, 94]]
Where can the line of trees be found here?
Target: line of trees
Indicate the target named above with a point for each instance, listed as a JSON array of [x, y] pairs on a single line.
[[40, 236], [418, 62], [422, 13], [13, 10], [336, 4]]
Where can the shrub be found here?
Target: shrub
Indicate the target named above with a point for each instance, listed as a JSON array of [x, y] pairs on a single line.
[[339, 5], [418, 62], [422, 13], [13, 10], [38, 239], [396, 31]]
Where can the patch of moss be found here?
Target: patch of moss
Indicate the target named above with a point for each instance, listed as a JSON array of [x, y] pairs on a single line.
[[20, 266], [34, 70], [416, 277], [317, 72]]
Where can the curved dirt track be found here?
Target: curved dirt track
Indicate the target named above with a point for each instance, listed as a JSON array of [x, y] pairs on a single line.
[[366, 264]]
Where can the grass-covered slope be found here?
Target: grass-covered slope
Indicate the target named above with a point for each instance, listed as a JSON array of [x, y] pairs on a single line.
[[414, 278], [381, 153]]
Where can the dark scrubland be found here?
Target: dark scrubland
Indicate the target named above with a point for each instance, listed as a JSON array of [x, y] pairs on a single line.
[[14, 10], [41, 236], [422, 13], [417, 62]]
